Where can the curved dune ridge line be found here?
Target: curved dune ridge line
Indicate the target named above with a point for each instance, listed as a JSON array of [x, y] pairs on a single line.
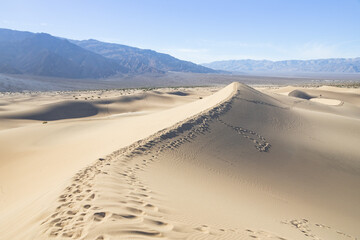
[[306, 96], [82, 108], [350, 96], [35, 152], [240, 164], [52, 149]]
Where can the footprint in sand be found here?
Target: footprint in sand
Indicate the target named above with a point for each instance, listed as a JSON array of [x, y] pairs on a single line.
[[87, 206], [151, 207], [91, 197], [99, 216]]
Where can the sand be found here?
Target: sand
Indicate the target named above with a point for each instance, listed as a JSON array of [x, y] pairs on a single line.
[[327, 101], [235, 164]]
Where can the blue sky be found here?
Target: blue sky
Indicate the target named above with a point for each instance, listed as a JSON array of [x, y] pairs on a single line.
[[201, 31]]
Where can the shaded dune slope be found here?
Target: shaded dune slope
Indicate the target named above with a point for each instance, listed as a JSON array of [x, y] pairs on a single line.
[[348, 97], [251, 167], [72, 109], [178, 93], [300, 94], [344, 95], [63, 110]]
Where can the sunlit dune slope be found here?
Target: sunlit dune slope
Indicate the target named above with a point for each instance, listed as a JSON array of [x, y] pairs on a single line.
[[240, 164]]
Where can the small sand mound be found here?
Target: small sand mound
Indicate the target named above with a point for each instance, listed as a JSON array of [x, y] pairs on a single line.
[[300, 94]]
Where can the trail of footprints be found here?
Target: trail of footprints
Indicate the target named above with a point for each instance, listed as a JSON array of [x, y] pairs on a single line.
[[259, 141], [108, 201], [305, 227], [84, 210]]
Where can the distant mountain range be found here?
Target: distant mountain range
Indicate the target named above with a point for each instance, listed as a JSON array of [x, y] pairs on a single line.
[[141, 60], [332, 65], [41, 54], [44, 55]]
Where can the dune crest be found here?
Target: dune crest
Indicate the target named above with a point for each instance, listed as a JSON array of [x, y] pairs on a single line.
[[239, 164], [155, 121]]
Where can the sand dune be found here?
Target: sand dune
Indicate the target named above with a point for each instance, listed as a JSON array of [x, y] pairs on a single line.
[[300, 94], [318, 99], [349, 95], [33, 151], [239, 164]]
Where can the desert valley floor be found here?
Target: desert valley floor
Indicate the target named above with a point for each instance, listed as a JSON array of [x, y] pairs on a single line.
[[231, 162]]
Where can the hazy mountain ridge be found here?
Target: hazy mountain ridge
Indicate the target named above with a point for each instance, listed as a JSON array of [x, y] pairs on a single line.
[[44, 55], [338, 65], [41, 54], [141, 60]]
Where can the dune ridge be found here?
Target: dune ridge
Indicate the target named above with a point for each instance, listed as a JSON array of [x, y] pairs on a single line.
[[187, 110], [33, 151], [136, 213], [223, 180], [243, 164]]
